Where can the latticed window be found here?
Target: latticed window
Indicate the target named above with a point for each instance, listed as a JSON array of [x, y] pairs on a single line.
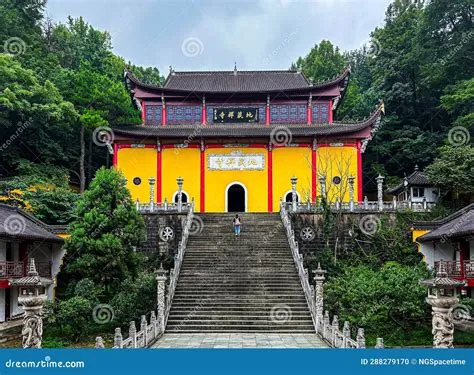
[[288, 113], [320, 112], [183, 114], [153, 115]]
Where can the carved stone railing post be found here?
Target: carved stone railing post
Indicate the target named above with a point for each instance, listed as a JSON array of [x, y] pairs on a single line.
[[442, 296], [180, 181], [322, 183], [351, 192], [360, 338], [118, 338], [154, 324], [379, 180], [143, 325], [32, 300], [99, 343], [293, 180], [319, 294], [165, 204], [335, 329], [326, 325], [160, 296], [137, 204], [394, 203], [366, 203], [151, 181], [379, 344], [346, 334], [132, 333]]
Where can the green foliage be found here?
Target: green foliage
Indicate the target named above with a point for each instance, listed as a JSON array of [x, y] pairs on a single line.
[[459, 102], [453, 169], [388, 302], [75, 313], [129, 304], [105, 233]]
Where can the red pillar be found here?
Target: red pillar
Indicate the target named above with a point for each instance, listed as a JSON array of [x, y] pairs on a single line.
[[203, 116], [158, 174], [143, 112], [163, 115], [202, 189], [267, 114], [313, 174], [270, 179], [115, 157], [330, 112], [359, 173], [309, 114]]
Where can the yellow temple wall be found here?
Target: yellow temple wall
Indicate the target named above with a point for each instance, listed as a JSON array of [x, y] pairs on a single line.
[[289, 162], [286, 162], [138, 162], [337, 161], [184, 162], [255, 182]]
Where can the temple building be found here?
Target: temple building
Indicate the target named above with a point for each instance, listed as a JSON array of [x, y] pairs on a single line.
[[236, 138]]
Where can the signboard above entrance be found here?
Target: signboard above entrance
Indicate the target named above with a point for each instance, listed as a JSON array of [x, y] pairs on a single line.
[[237, 114], [228, 162]]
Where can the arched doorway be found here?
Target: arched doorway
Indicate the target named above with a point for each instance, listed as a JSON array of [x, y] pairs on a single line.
[[184, 197], [289, 197], [236, 198]]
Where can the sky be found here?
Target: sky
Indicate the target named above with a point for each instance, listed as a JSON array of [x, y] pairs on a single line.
[[213, 35]]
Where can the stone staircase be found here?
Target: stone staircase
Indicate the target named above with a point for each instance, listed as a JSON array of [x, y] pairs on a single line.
[[245, 283]]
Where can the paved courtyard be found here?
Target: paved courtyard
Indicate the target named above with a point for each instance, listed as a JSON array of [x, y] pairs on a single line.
[[239, 340]]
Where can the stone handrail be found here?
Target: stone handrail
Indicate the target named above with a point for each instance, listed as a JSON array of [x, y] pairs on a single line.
[[336, 338], [152, 207], [364, 206], [178, 259], [298, 258], [146, 336]]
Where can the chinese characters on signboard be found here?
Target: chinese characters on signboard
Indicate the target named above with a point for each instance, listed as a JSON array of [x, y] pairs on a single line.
[[226, 115], [227, 162]]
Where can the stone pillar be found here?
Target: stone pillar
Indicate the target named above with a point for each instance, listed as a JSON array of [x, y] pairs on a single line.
[[319, 293], [32, 300], [180, 181], [379, 180], [118, 339], [346, 334], [442, 296], [326, 325], [154, 325], [99, 343], [151, 181], [293, 180], [322, 183], [360, 338], [394, 204], [366, 203], [143, 324], [132, 333], [379, 344], [161, 279], [335, 328], [351, 192]]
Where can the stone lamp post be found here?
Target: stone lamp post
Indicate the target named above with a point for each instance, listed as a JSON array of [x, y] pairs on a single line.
[[319, 293], [442, 296], [180, 181], [322, 183], [32, 298], [160, 296], [351, 180], [293, 180], [379, 180]]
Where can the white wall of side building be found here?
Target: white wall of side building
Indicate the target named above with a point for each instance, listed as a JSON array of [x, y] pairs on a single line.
[[434, 252]]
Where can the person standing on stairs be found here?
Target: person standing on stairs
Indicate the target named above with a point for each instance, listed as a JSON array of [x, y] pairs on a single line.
[[236, 223]]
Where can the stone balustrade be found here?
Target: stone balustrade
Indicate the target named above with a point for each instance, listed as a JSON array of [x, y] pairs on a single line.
[[152, 207], [329, 331]]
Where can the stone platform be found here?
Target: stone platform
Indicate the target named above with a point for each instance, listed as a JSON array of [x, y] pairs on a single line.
[[239, 340]]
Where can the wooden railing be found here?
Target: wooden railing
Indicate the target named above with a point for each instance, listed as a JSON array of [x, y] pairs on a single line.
[[456, 268], [12, 270]]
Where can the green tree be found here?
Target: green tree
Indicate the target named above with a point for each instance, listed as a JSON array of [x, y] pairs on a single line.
[[388, 302], [105, 234], [453, 169], [459, 102]]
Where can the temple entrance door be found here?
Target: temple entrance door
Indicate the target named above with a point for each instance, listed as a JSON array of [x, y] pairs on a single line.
[[236, 198]]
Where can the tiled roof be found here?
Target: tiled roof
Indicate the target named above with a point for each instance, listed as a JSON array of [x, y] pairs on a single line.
[[238, 81], [459, 224], [17, 224], [417, 178], [247, 130]]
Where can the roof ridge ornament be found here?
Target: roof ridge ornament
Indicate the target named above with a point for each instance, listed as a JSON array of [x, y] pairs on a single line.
[[235, 68], [171, 70]]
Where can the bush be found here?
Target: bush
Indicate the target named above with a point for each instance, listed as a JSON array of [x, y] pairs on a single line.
[[75, 314], [135, 298]]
